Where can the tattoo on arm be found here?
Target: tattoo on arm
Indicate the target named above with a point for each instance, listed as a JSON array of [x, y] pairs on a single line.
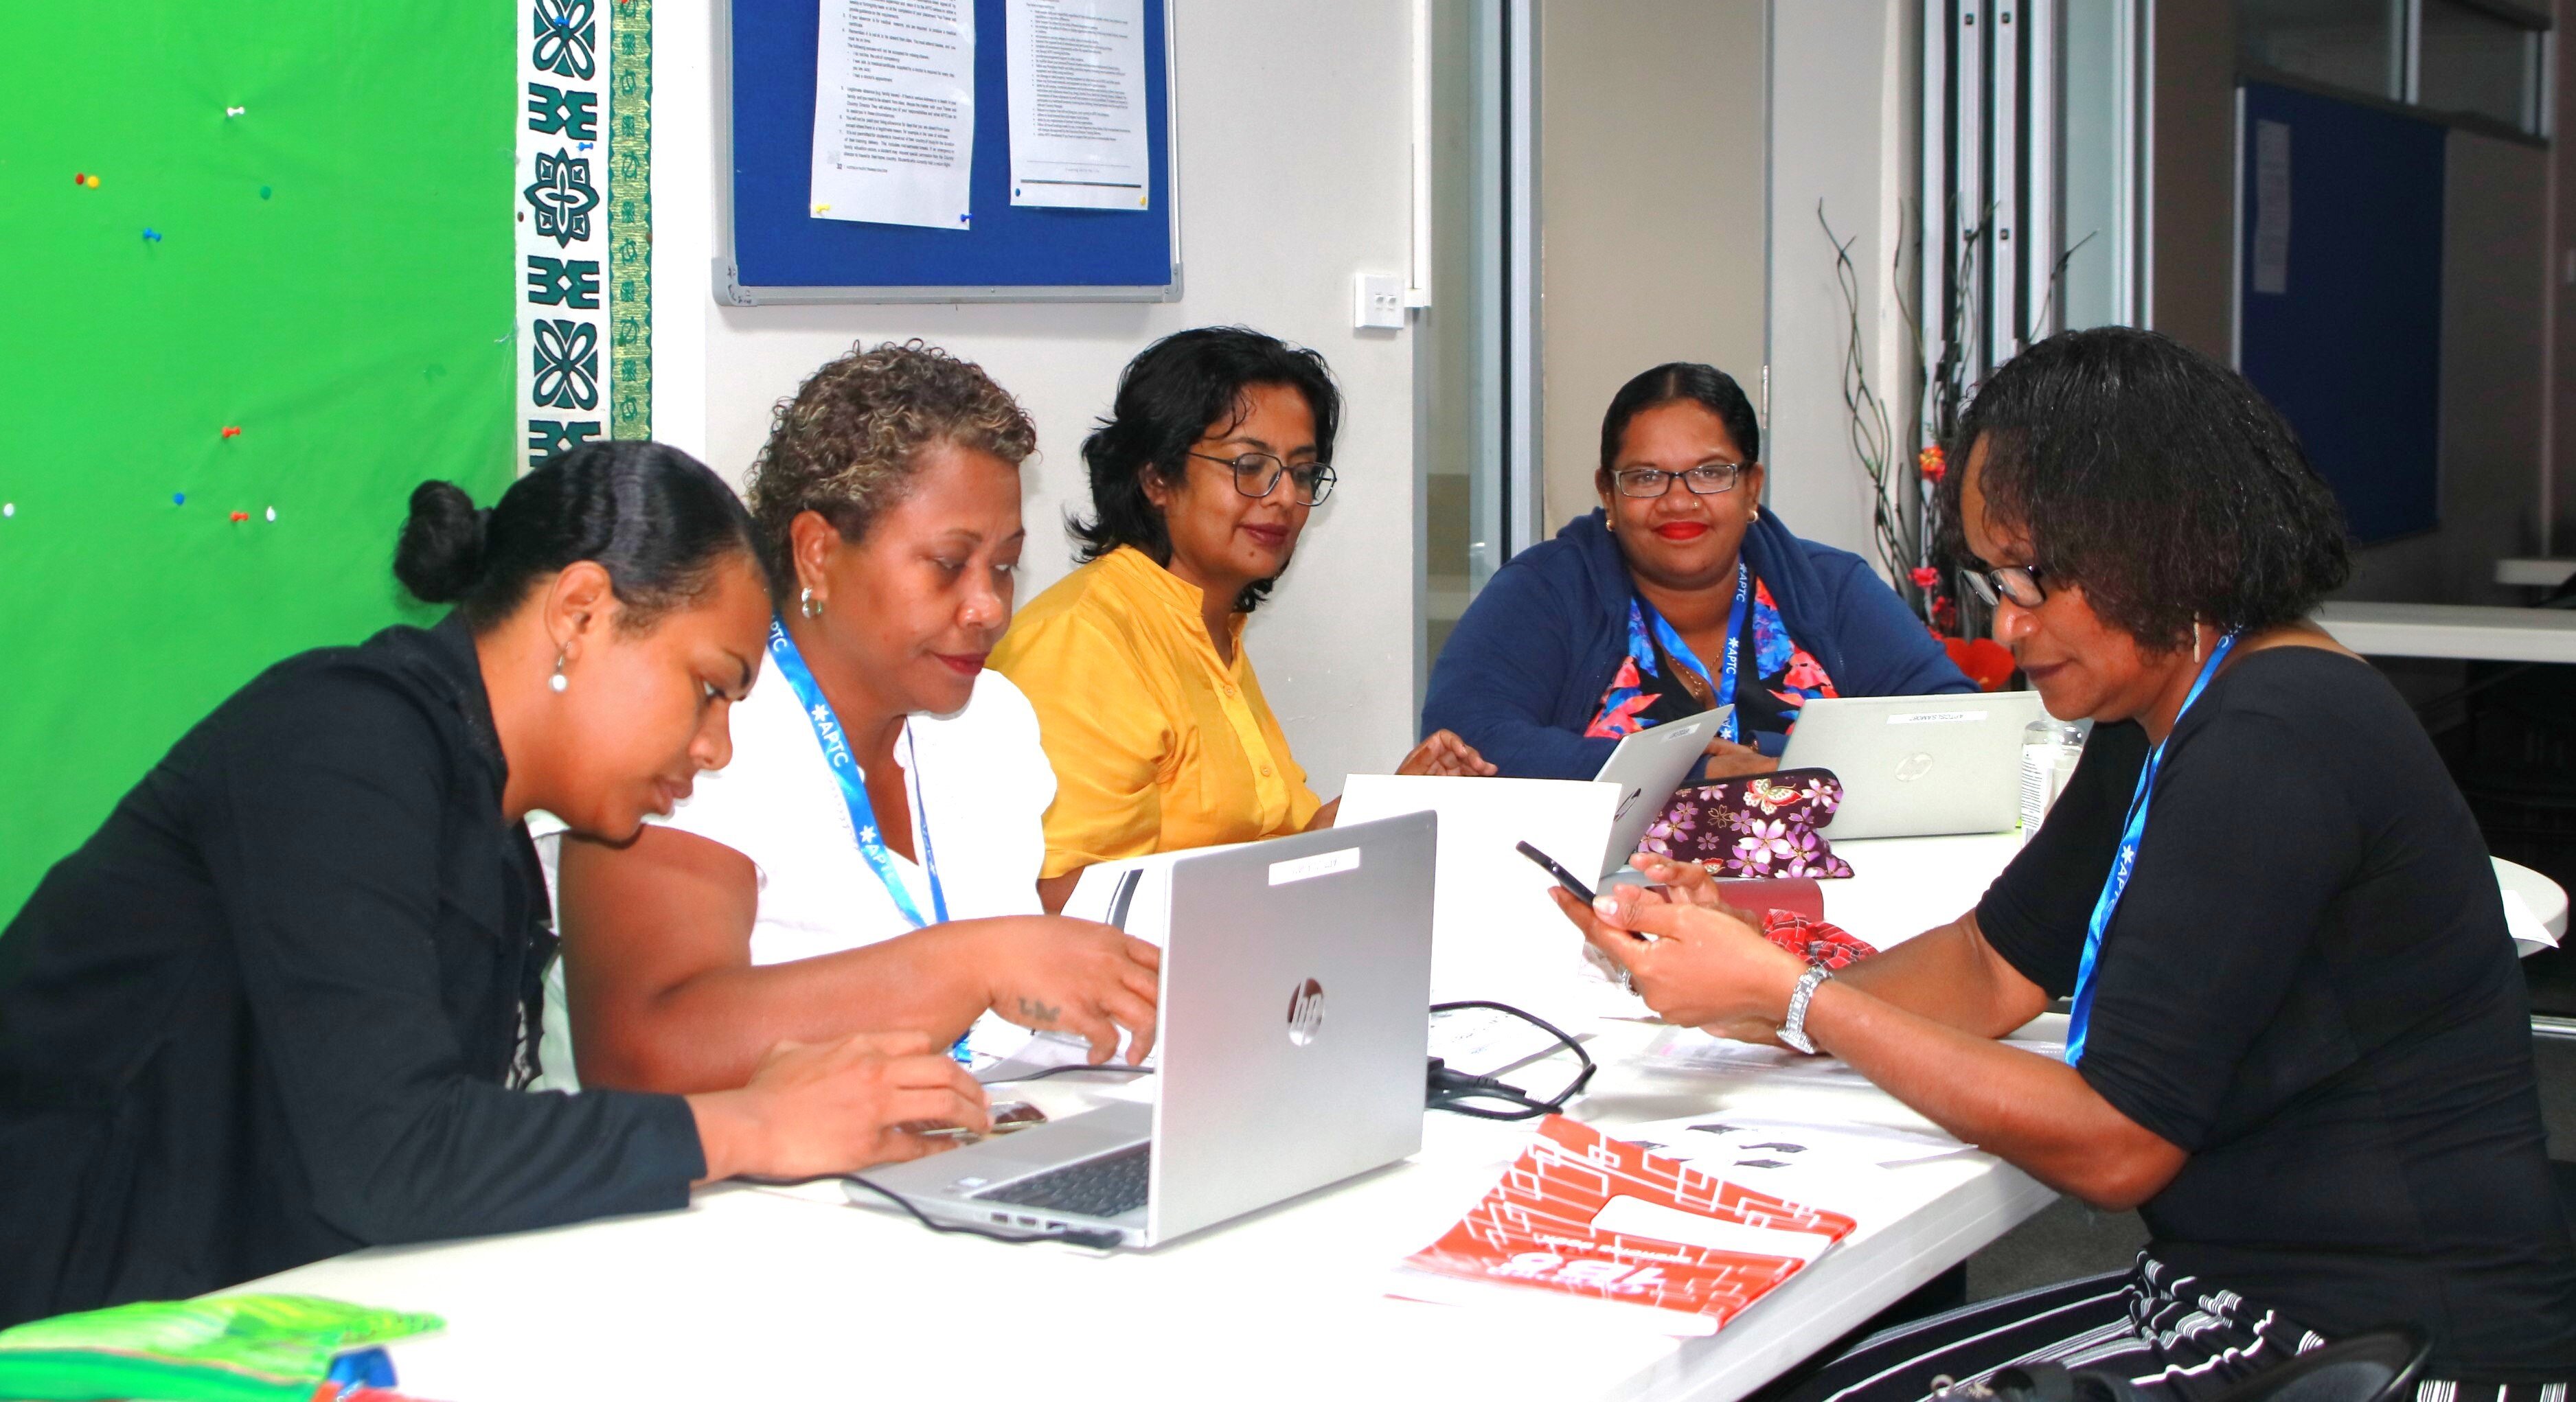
[[1037, 1013]]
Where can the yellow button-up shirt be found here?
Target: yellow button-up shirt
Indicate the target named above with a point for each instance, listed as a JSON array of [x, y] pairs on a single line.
[[1157, 744]]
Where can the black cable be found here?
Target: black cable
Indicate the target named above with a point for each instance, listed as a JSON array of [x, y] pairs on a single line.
[[1097, 1240], [1448, 1090], [1069, 1070]]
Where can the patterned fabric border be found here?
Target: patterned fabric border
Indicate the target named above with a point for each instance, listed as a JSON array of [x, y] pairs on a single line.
[[564, 389], [630, 220]]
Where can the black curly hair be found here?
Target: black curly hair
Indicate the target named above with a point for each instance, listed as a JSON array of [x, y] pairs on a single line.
[[2155, 477], [1168, 396], [847, 444]]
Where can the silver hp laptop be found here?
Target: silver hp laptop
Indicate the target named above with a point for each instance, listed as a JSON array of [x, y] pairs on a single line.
[[1291, 1055], [1917, 766], [1648, 766]]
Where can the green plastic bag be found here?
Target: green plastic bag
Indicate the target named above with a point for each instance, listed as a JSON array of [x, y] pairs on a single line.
[[236, 1348]]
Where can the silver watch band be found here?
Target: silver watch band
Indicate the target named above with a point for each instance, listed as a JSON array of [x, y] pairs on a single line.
[[1793, 1028]]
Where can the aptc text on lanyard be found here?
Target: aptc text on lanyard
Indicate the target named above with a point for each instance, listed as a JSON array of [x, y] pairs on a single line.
[[2117, 883], [854, 790], [1681, 653]]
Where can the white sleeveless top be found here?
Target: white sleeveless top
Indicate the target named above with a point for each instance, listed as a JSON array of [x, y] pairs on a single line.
[[979, 785]]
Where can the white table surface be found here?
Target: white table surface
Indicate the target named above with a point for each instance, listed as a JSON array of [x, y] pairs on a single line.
[[2470, 631], [1897, 880], [752, 1288], [755, 1288], [2535, 572]]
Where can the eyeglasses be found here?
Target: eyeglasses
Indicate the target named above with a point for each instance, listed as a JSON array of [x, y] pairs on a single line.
[[1257, 475], [1706, 480], [2018, 584]]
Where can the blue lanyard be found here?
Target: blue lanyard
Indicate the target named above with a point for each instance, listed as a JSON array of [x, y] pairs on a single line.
[[2117, 883], [1681, 652], [854, 788]]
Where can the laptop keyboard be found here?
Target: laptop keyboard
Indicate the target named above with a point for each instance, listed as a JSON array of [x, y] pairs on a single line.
[[1101, 1187]]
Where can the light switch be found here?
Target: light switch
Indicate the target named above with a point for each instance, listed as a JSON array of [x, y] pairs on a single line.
[[1377, 302]]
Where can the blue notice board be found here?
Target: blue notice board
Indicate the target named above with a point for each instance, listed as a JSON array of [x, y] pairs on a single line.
[[775, 251], [2340, 295]]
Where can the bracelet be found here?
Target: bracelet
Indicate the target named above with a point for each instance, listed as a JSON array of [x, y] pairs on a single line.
[[1793, 1028]]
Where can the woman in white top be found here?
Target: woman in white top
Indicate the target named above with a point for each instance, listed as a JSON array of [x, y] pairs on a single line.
[[869, 860]]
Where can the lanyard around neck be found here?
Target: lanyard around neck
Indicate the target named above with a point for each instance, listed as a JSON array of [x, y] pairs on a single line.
[[854, 788], [1723, 684], [2116, 884]]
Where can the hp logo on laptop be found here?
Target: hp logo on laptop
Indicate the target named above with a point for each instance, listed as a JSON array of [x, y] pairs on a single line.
[[1913, 767], [1305, 1012]]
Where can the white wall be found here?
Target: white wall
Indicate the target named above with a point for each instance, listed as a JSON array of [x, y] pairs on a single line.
[[1651, 202], [1293, 175], [1841, 133]]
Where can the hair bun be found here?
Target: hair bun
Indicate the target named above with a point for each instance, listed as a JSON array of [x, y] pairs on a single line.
[[440, 554]]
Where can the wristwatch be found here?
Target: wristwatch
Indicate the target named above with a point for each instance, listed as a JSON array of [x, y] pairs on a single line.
[[1793, 1028]]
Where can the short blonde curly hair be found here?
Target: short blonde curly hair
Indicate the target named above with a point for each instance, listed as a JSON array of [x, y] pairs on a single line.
[[847, 445]]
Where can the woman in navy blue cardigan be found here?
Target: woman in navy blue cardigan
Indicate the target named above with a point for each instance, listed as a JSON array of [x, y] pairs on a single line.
[[1679, 594]]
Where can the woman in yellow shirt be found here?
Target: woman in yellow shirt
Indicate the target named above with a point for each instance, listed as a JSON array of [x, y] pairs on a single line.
[[1202, 478]]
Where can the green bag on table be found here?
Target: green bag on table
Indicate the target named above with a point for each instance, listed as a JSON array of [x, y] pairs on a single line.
[[236, 1348]]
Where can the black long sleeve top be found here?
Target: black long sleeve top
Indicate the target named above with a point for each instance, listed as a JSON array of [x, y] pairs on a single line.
[[269, 1012]]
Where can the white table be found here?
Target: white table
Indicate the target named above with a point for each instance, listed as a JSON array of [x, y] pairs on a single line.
[[2535, 573], [2470, 631], [1897, 880], [754, 1288]]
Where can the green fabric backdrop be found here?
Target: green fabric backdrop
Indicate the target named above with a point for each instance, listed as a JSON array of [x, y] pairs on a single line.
[[354, 321]]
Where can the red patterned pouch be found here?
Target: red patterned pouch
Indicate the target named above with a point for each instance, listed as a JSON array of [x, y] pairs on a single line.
[[1830, 945]]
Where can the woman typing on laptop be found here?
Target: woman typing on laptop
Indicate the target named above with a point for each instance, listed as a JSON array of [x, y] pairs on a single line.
[[2299, 1042], [1679, 595], [870, 858], [1202, 478], [279, 1006]]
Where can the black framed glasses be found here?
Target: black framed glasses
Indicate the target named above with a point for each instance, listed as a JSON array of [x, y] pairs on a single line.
[[1258, 474], [2016, 584], [1706, 480]]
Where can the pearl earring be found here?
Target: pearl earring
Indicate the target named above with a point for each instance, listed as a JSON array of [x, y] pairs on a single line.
[[558, 683], [808, 605]]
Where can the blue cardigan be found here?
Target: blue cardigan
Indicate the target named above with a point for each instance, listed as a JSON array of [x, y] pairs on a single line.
[[1523, 673]]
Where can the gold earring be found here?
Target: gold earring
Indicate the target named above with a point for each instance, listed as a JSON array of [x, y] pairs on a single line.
[[808, 605], [558, 683]]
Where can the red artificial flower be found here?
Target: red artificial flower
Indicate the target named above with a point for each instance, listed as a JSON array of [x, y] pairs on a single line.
[[1932, 462], [1925, 576], [1986, 662]]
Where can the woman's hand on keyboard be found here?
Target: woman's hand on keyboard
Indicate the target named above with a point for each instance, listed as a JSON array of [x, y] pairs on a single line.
[[1074, 976], [812, 1110]]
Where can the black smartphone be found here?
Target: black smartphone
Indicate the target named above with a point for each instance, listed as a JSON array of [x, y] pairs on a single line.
[[1564, 878]]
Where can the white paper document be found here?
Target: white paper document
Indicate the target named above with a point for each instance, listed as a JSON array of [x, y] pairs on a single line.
[[1688, 1049], [1484, 1042], [2272, 208], [1842, 1166], [894, 112], [2530, 936], [1077, 85]]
